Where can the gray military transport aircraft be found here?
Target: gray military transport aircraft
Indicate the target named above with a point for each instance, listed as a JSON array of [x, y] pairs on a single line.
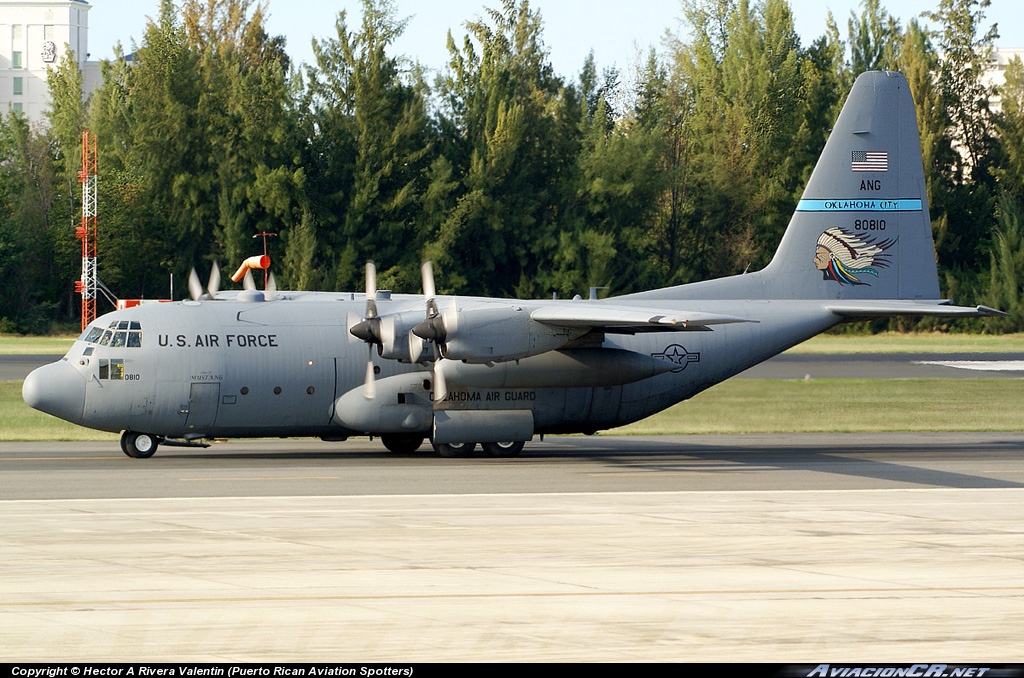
[[497, 372]]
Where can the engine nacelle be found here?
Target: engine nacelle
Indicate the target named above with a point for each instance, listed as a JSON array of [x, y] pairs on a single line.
[[402, 405], [396, 333], [494, 333]]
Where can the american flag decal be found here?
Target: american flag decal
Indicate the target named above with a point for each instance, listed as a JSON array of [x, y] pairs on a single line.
[[870, 161]]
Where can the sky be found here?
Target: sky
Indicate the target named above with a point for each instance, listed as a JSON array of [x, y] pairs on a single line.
[[615, 30]]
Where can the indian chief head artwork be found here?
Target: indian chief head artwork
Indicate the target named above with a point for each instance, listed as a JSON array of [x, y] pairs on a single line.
[[847, 257]]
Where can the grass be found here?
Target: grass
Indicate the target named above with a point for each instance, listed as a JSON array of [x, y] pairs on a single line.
[[844, 405], [18, 421], [912, 342], [14, 344], [736, 406]]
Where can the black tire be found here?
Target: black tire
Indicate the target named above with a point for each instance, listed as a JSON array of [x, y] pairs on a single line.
[[508, 449], [402, 443], [138, 445], [454, 450]]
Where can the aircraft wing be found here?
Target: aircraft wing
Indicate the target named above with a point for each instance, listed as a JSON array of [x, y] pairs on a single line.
[[629, 319], [885, 308]]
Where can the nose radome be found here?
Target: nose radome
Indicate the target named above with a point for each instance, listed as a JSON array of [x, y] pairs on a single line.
[[56, 389]]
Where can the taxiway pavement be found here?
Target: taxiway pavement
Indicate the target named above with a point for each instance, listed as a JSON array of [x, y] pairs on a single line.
[[788, 548]]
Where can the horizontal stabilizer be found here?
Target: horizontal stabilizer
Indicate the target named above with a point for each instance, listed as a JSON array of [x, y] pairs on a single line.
[[629, 319], [885, 309]]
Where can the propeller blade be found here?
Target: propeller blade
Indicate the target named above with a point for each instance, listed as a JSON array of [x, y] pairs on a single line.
[[271, 292], [371, 290], [247, 282], [429, 291], [440, 387], [214, 285], [450, 318], [370, 387], [195, 288], [415, 348]]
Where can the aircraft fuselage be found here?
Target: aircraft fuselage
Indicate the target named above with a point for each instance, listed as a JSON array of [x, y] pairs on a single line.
[[230, 368]]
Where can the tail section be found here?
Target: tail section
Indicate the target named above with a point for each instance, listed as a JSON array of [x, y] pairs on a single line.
[[861, 229]]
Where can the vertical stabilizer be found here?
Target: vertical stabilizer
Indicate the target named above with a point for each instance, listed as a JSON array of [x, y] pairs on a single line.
[[861, 229]]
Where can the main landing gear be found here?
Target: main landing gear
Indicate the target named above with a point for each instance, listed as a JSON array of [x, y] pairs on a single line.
[[139, 445], [402, 443]]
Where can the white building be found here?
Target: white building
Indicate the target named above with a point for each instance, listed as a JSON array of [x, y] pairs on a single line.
[[996, 73], [33, 37]]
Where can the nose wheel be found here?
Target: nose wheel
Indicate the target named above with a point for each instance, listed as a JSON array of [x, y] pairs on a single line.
[[138, 445]]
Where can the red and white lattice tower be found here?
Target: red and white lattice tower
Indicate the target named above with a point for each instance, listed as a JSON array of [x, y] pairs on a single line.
[[87, 286]]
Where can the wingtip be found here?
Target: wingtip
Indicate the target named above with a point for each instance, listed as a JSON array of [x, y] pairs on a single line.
[[988, 311]]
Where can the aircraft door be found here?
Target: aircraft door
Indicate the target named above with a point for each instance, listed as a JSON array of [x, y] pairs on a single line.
[[202, 406]]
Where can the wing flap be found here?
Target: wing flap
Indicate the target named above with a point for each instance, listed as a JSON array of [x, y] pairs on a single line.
[[629, 319]]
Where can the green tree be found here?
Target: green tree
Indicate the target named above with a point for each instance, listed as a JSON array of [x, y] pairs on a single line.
[[875, 38], [739, 89], [512, 131], [969, 201], [243, 106], [370, 133], [1006, 268], [28, 298], [1009, 125]]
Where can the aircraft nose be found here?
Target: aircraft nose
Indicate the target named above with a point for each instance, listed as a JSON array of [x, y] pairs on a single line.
[[56, 389]]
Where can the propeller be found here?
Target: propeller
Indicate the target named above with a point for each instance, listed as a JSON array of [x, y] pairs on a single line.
[[195, 288], [369, 329], [434, 329], [248, 283], [270, 294]]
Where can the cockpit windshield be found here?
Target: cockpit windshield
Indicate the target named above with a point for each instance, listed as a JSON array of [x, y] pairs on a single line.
[[120, 333]]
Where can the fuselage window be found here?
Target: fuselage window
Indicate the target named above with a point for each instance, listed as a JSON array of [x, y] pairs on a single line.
[[112, 369]]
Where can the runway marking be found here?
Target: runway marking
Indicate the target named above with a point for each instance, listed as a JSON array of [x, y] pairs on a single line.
[[550, 594], [227, 479], [978, 365], [107, 458]]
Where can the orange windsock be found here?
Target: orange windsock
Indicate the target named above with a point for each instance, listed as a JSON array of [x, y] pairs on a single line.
[[260, 261]]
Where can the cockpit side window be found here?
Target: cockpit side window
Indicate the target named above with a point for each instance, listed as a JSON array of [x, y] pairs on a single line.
[[92, 335], [105, 339]]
